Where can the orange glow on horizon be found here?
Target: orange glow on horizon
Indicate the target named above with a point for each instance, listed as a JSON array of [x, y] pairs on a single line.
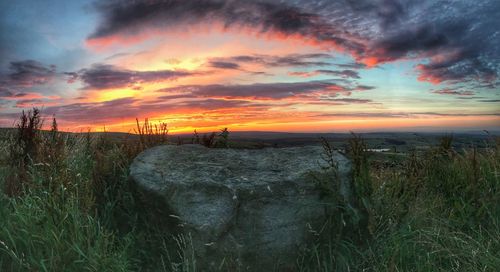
[[181, 123]]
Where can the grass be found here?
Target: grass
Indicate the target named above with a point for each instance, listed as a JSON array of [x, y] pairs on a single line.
[[66, 205], [439, 211]]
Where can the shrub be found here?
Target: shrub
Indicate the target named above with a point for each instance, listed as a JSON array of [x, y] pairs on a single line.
[[151, 134], [212, 140]]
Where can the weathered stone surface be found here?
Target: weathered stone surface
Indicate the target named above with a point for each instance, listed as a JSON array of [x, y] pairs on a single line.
[[254, 206]]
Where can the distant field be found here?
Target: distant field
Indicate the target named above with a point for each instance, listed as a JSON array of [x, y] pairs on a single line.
[[396, 141]]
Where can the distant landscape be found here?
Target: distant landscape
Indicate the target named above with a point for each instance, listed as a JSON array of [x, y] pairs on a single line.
[[401, 141]]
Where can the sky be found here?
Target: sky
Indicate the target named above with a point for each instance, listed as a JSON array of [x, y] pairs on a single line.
[[267, 65]]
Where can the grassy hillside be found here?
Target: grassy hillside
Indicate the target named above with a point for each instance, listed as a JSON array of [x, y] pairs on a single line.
[[66, 205]]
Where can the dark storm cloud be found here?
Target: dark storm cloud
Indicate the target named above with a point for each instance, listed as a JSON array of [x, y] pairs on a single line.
[[423, 38], [261, 90], [27, 73], [224, 65], [101, 76], [458, 38], [128, 18], [459, 69], [353, 65], [30, 72], [4, 92], [23, 75], [295, 60], [391, 12], [364, 88]]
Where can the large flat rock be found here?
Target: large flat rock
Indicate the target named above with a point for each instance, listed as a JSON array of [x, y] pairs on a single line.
[[257, 207]]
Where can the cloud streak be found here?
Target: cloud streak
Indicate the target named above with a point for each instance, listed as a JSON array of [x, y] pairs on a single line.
[[102, 76], [290, 60], [224, 65], [453, 91], [130, 108], [263, 90], [343, 73], [403, 114]]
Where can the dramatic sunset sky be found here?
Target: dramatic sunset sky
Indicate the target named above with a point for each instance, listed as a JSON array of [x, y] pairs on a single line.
[[297, 65]]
